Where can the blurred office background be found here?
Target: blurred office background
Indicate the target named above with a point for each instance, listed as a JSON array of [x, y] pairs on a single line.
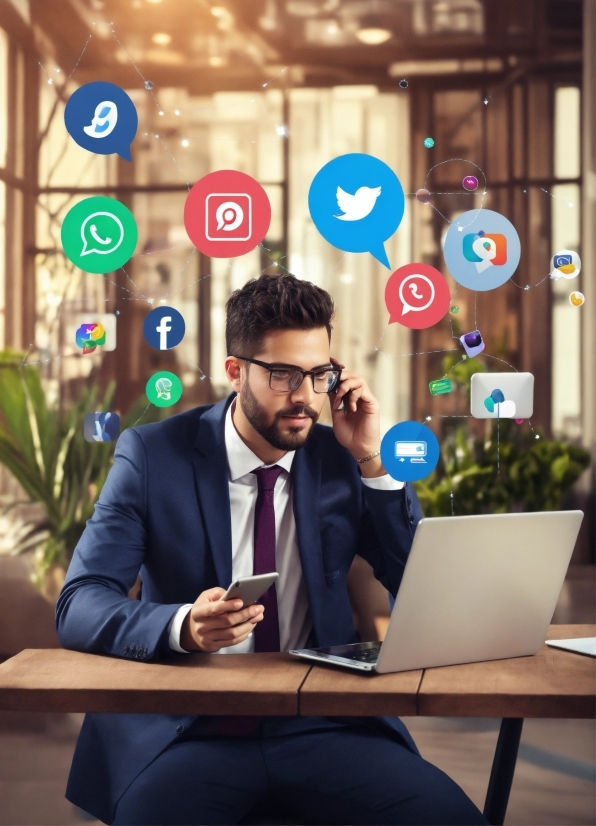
[[276, 88]]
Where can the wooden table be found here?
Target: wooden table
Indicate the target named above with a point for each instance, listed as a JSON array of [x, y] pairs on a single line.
[[553, 683]]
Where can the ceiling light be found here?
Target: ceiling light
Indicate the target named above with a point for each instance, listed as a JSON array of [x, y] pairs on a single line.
[[162, 39], [218, 11], [216, 60], [154, 1], [184, 142], [372, 32]]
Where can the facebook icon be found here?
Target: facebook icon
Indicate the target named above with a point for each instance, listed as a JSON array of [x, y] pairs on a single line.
[[164, 328]]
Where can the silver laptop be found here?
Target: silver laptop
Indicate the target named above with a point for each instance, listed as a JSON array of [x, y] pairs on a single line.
[[474, 588]]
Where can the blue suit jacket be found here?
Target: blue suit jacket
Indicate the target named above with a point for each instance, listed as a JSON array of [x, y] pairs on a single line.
[[164, 512]]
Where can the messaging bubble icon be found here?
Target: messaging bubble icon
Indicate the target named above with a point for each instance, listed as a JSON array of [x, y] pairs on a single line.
[[102, 118], [417, 296], [99, 234], [164, 389], [357, 202]]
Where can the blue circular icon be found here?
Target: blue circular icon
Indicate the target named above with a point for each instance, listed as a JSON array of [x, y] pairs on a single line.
[[482, 249], [409, 451], [357, 202], [164, 328], [102, 118]]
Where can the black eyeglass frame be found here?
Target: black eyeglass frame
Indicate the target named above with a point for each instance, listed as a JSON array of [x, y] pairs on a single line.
[[274, 366]]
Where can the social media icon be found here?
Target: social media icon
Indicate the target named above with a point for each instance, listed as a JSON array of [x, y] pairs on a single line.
[[417, 296], [485, 250], [409, 451], [439, 386], [470, 182], [228, 217], [164, 328], [90, 331], [473, 343], [357, 202], [226, 214], [482, 249], [164, 389], [90, 336], [99, 234], [102, 118], [357, 206], [502, 395], [565, 264], [101, 427], [576, 299]]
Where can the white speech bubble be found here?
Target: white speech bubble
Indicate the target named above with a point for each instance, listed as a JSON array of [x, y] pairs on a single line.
[[505, 410], [481, 251], [408, 307], [106, 245], [223, 222]]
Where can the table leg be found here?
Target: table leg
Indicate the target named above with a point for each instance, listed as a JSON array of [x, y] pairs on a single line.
[[503, 769]]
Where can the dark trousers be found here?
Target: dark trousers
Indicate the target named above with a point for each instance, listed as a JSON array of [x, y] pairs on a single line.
[[324, 770]]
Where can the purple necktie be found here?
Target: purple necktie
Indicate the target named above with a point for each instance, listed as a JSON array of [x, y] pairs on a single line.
[[266, 633]]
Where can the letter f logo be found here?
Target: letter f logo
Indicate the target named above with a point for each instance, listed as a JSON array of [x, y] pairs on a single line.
[[163, 329]]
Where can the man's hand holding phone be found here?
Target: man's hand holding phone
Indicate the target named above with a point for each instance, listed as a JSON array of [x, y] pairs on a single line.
[[213, 623]]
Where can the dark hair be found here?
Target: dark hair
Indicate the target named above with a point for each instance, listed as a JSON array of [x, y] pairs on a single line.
[[274, 302]]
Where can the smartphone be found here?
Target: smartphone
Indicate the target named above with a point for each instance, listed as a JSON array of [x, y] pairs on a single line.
[[250, 588]]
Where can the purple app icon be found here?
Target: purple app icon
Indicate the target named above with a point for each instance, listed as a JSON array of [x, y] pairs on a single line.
[[470, 182], [472, 343]]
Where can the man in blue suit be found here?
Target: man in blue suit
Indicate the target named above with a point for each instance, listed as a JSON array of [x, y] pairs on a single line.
[[248, 485]]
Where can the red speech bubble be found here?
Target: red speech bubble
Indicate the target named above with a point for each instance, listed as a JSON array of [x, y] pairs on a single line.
[[417, 296], [226, 214]]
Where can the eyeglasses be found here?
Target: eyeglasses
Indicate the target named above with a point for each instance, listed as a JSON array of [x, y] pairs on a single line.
[[286, 378]]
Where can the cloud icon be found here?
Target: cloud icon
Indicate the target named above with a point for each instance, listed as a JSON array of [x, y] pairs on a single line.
[[499, 406]]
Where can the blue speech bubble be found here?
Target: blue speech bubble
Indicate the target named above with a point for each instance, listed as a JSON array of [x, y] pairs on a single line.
[[357, 202], [102, 118]]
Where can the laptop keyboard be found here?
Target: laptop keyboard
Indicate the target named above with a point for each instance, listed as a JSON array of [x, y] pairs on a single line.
[[371, 655]]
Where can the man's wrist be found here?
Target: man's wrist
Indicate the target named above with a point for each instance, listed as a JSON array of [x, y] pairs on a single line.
[[373, 467]]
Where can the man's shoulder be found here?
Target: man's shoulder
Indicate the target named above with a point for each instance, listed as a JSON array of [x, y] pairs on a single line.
[[179, 429]]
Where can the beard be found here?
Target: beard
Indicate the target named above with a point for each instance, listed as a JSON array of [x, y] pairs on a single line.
[[271, 431]]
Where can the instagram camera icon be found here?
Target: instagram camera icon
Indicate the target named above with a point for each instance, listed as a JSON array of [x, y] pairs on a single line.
[[228, 216]]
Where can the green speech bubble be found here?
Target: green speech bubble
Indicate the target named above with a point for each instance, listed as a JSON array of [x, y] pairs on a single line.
[[164, 389], [99, 234]]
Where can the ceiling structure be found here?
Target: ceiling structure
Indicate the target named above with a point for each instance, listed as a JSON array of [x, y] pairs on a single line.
[[217, 45]]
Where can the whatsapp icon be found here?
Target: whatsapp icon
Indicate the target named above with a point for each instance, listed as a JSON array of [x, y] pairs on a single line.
[[99, 234]]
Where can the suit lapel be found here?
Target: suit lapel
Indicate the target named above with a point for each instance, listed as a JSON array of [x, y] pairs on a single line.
[[210, 464]]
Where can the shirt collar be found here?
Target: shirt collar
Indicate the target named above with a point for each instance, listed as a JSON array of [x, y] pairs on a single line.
[[241, 459]]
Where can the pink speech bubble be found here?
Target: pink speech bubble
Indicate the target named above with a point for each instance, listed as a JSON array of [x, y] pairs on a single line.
[[417, 296]]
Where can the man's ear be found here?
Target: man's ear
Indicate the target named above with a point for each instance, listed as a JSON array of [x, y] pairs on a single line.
[[234, 373]]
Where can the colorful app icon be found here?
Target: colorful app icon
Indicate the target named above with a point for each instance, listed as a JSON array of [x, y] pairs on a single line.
[[102, 118], [576, 299], [409, 451], [502, 395], [417, 296], [90, 336], [164, 389], [164, 328], [439, 386], [482, 249], [85, 329], [357, 202], [470, 183], [99, 234], [565, 264], [473, 343], [101, 427], [227, 213]]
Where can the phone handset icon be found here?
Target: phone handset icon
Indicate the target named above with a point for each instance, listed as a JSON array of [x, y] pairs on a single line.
[[97, 237], [414, 291]]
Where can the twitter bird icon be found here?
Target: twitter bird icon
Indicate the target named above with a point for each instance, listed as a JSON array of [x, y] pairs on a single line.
[[359, 205]]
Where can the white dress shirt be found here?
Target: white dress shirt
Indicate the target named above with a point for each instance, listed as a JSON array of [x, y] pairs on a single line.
[[295, 622]]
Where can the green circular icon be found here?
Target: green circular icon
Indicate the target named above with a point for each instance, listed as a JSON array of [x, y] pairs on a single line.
[[99, 234], [164, 389]]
